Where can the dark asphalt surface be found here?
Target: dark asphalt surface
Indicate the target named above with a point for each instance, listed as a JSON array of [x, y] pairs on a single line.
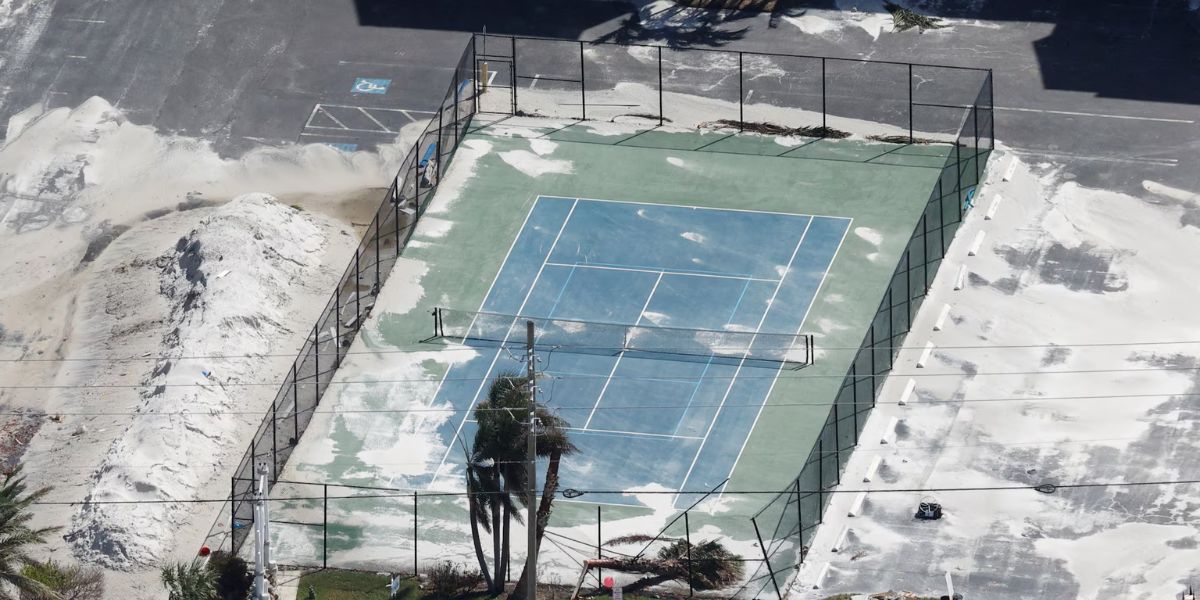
[[243, 74]]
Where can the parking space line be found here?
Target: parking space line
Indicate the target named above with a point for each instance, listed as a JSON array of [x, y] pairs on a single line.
[[374, 120]]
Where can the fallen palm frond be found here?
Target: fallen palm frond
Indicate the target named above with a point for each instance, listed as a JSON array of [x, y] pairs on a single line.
[[773, 129], [706, 565], [904, 19]]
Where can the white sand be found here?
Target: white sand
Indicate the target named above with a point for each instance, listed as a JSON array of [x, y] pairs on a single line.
[[1064, 265], [91, 210], [535, 165]]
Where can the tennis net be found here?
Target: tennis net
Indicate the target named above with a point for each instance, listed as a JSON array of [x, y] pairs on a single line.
[[792, 350]]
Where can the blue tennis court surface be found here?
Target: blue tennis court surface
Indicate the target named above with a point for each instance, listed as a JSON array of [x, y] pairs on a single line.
[[642, 420]]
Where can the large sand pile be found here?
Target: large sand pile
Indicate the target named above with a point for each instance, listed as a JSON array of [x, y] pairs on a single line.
[[121, 242]]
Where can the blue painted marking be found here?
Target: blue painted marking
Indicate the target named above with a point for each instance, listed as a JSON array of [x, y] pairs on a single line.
[[463, 85], [677, 421], [366, 85], [342, 146], [969, 203]]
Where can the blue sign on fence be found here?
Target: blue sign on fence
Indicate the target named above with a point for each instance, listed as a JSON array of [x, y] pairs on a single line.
[[363, 85]]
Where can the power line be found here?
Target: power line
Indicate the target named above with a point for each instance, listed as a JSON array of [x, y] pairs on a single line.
[[585, 376], [417, 347], [409, 494], [451, 410]]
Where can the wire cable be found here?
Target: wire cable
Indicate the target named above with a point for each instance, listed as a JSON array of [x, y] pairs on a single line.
[[409, 495], [426, 347], [588, 376]]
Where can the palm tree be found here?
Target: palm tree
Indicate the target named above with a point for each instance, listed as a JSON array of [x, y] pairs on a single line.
[[496, 471], [706, 565], [552, 444], [16, 536], [189, 581]]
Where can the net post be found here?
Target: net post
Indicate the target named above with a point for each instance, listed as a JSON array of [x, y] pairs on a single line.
[[582, 83], [378, 224]]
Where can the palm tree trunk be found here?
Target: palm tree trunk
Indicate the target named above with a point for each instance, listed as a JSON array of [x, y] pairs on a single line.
[[505, 548], [483, 569], [497, 581], [543, 517]]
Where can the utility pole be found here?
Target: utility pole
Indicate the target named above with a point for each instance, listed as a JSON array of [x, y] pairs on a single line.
[[262, 539], [531, 467]]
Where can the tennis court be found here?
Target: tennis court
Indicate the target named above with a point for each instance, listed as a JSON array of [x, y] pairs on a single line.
[[644, 418]]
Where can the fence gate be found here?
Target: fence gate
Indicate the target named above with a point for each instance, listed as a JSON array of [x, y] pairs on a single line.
[[496, 84]]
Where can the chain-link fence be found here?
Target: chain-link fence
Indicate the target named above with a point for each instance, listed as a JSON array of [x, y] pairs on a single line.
[[352, 300], [789, 521], [945, 109], [406, 532], [697, 87]]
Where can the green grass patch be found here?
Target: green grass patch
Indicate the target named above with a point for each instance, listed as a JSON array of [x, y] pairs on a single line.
[[333, 584]]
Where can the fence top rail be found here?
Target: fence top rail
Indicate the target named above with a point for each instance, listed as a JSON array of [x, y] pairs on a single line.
[[980, 70]]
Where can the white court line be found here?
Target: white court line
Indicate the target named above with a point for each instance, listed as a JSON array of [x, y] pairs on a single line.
[[1165, 162], [637, 433], [681, 205], [641, 270], [1088, 114], [374, 120], [617, 362], [533, 83], [75, 20], [499, 351], [742, 362], [496, 278], [625, 433], [816, 294]]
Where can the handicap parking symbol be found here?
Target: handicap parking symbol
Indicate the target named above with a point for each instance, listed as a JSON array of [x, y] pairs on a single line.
[[364, 85]]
